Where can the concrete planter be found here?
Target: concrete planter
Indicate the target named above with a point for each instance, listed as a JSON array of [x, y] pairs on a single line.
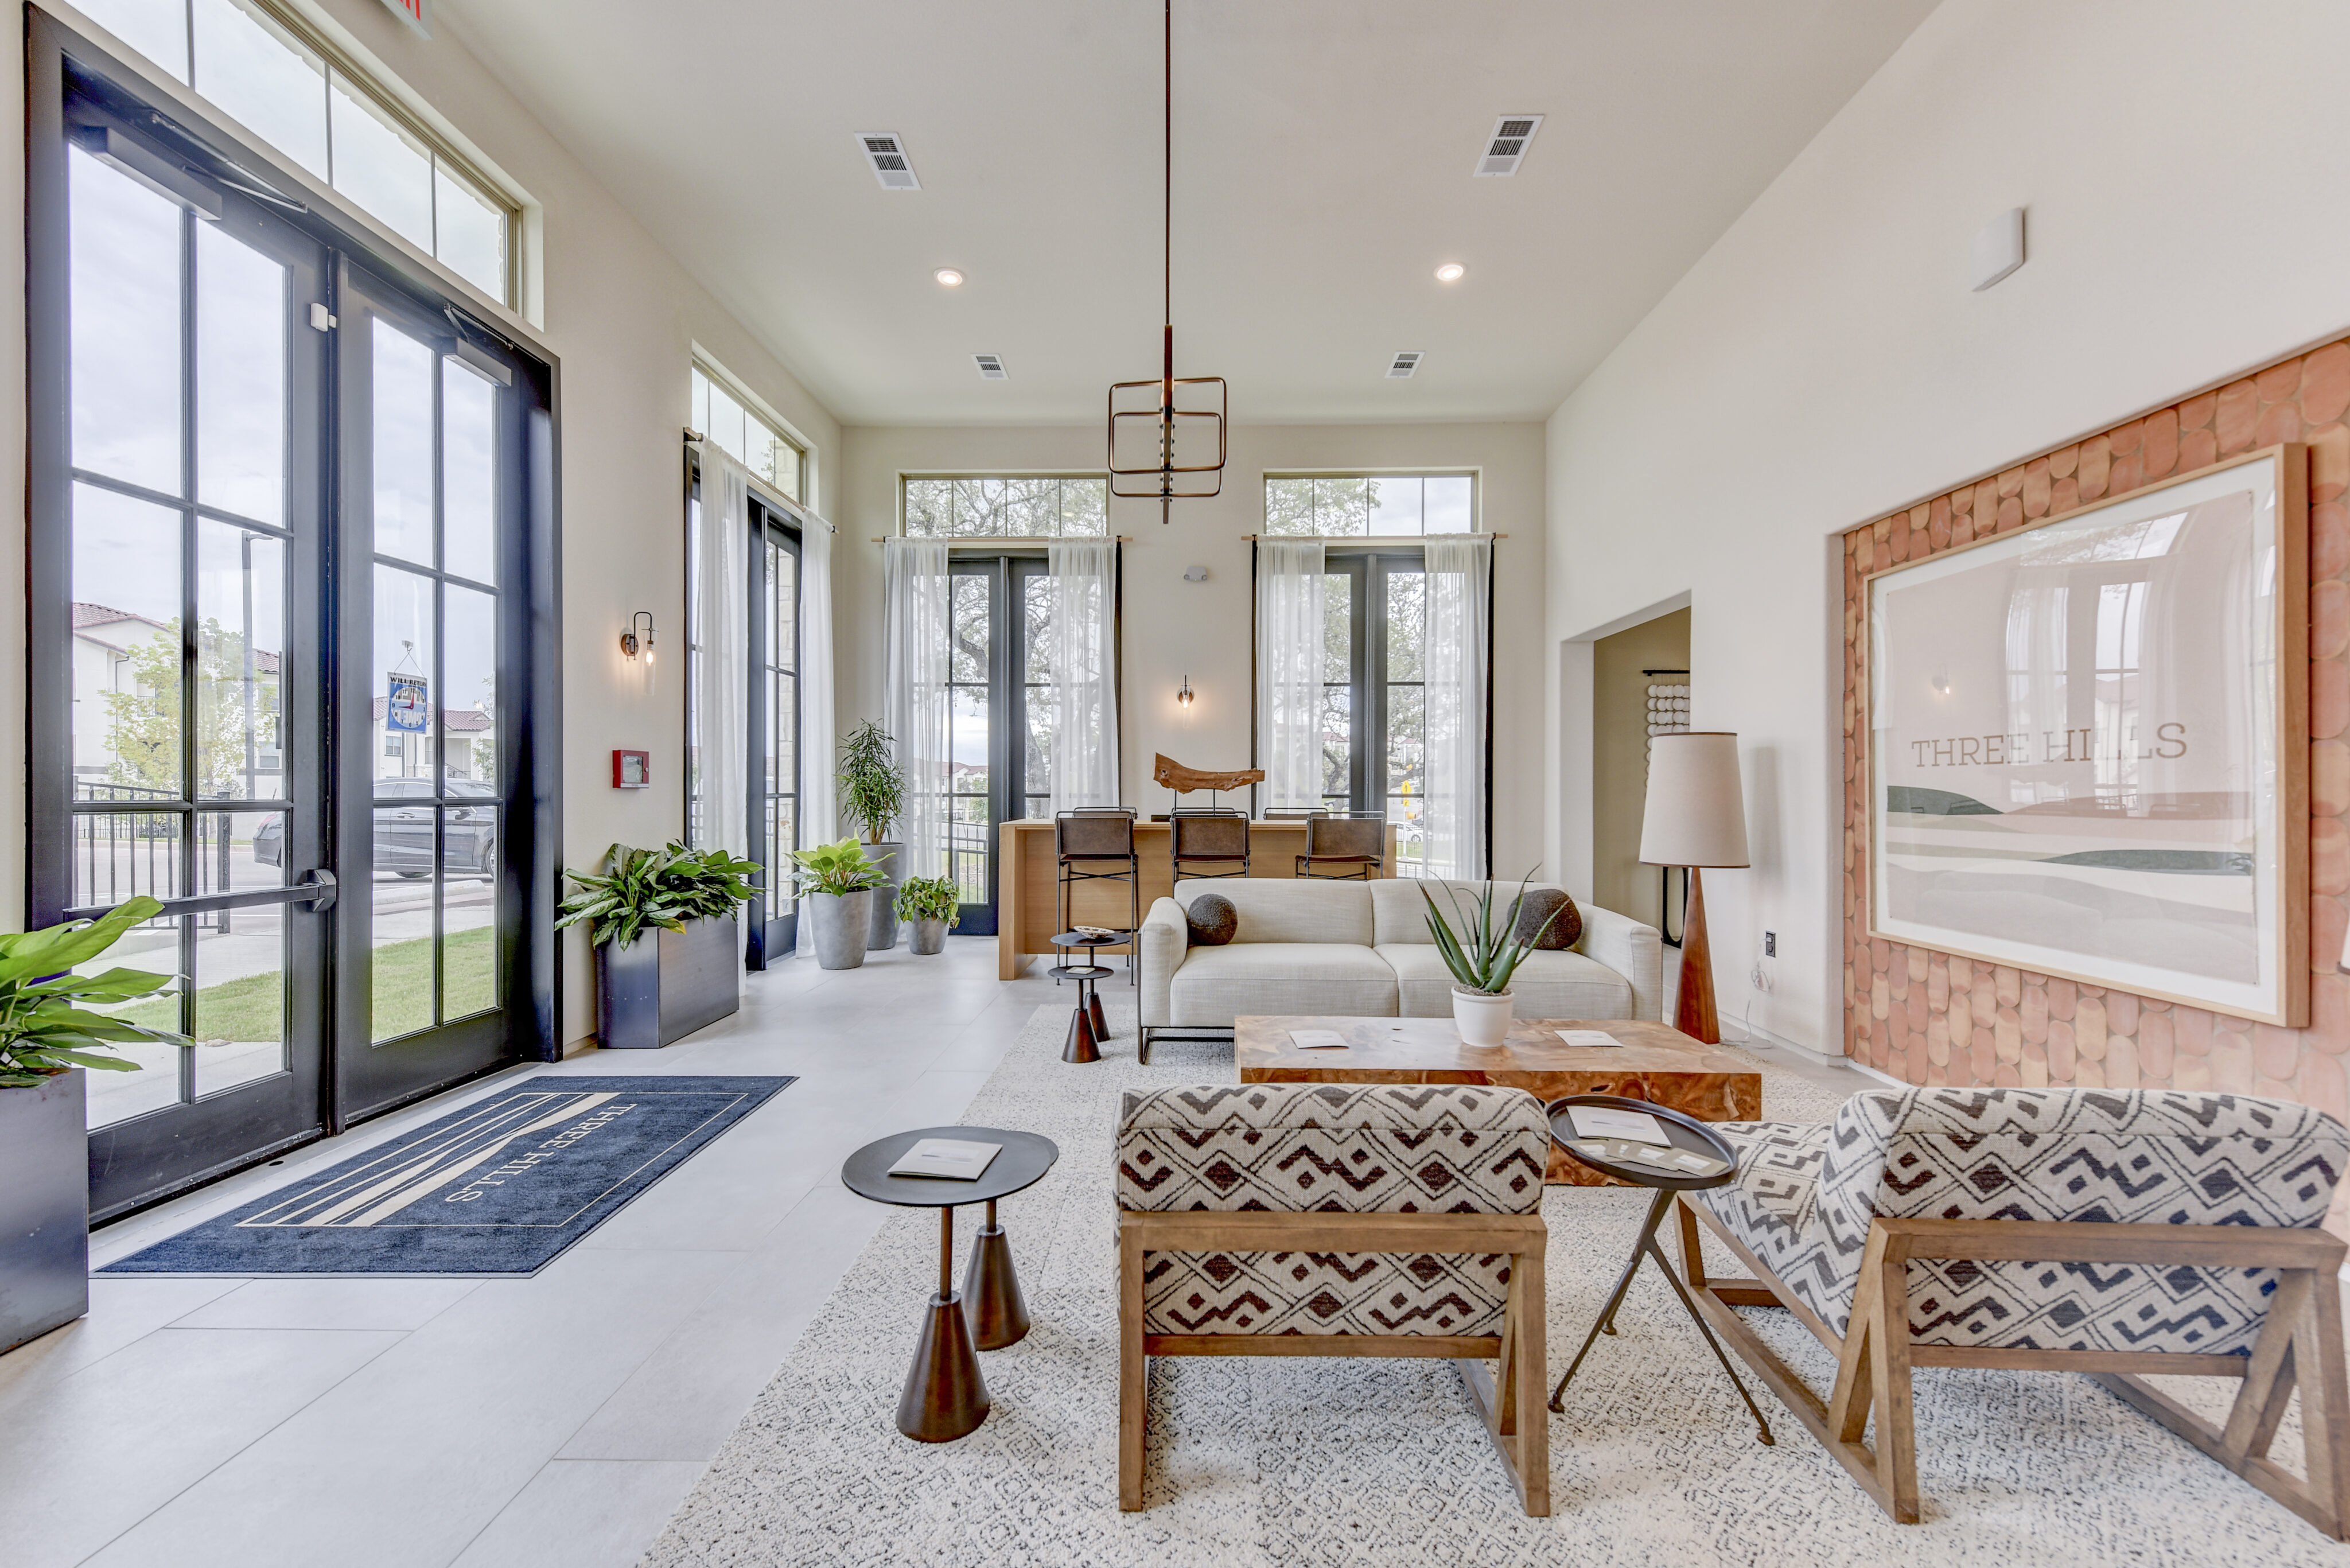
[[930, 937], [843, 922], [666, 984], [883, 934], [43, 1207]]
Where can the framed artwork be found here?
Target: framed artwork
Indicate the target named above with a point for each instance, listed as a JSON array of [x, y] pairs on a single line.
[[2088, 747], [632, 770]]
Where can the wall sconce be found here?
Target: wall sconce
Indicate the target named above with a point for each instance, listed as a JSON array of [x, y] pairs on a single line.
[[631, 644], [1183, 693]]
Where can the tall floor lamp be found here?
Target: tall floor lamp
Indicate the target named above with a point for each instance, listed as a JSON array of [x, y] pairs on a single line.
[[1695, 817]]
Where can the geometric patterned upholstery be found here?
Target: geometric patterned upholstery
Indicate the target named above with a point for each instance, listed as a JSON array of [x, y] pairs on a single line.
[[1377, 1149], [1805, 1197]]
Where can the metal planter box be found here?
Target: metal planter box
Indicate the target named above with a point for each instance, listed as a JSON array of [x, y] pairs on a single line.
[[666, 984], [44, 1208]]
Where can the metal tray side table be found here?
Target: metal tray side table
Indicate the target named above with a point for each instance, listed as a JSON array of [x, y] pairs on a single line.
[[945, 1397], [1686, 1132], [1088, 1028]]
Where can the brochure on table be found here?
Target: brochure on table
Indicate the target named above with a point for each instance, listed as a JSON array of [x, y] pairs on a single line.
[[952, 1158]]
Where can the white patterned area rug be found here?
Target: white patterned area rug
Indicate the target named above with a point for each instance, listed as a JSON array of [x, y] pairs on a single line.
[[1314, 1462]]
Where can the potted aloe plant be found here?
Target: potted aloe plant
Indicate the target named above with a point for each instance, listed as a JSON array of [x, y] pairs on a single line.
[[668, 950], [1482, 955], [49, 1033], [837, 882], [933, 905], [873, 796]]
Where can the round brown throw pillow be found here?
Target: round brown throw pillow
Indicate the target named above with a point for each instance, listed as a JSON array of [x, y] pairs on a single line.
[[1539, 903], [1213, 919]]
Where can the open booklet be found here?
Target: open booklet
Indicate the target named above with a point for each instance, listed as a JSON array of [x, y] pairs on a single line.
[[957, 1159]]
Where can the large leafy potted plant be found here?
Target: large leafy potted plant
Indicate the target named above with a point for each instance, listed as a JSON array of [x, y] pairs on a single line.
[[837, 882], [933, 905], [1482, 955], [873, 796], [49, 1032], [668, 950]]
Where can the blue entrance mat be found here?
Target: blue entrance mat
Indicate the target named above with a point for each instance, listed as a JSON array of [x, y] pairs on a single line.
[[501, 1187]]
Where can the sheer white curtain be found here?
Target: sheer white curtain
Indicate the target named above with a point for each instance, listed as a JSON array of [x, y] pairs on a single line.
[[1084, 673], [1459, 582], [914, 709], [722, 665], [1289, 670], [819, 797]]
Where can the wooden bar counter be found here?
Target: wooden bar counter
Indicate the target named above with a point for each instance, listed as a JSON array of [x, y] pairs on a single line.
[[1028, 875]]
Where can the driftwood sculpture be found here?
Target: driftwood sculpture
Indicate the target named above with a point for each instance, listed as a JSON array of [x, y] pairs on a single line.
[[1183, 780]]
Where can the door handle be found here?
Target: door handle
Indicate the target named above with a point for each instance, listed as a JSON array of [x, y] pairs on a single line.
[[317, 890]]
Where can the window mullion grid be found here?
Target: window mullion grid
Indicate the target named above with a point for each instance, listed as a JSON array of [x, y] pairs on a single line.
[[1365, 701]]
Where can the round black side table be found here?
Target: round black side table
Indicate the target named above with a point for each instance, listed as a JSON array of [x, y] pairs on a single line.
[[1686, 1132], [1088, 1028], [945, 1397]]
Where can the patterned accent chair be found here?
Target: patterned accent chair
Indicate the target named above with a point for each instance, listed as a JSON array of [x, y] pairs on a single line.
[[1337, 1220], [2108, 1232]]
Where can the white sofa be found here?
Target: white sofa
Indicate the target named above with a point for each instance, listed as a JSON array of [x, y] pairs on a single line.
[[1351, 948]]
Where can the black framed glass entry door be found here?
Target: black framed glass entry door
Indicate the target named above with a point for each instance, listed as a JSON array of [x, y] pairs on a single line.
[[291, 618], [187, 767]]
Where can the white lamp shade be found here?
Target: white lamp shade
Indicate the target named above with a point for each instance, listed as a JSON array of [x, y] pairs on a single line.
[[1696, 813]]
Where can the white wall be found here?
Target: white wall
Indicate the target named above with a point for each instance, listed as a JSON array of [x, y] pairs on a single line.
[[621, 316], [1824, 363], [1173, 628]]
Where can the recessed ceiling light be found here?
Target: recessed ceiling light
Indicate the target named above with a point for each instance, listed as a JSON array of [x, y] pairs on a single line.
[[949, 277], [1451, 272]]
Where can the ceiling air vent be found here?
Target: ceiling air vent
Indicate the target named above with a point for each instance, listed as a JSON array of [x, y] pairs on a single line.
[[1506, 148], [887, 155], [1405, 364], [991, 368]]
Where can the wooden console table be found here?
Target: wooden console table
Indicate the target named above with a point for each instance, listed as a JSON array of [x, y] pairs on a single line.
[[1027, 874]]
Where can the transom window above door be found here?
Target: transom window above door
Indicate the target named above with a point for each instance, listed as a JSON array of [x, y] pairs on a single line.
[[1369, 506], [744, 434], [260, 64], [1005, 506]]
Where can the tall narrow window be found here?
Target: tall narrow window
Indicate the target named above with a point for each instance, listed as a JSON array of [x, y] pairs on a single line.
[[1374, 728]]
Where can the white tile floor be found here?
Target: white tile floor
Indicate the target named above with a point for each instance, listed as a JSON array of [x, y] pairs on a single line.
[[496, 1423]]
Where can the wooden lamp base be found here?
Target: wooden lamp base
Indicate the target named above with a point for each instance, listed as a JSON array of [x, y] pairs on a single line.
[[1693, 1012]]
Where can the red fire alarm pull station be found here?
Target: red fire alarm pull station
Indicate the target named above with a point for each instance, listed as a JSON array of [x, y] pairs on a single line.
[[632, 770]]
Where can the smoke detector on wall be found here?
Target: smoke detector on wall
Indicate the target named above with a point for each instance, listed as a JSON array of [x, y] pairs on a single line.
[[1404, 364], [886, 154], [1506, 148], [991, 368]]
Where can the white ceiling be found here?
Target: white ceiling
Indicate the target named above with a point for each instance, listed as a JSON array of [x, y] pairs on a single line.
[[1323, 153]]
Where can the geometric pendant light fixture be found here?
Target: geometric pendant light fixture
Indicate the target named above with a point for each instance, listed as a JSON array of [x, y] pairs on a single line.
[[1174, 440]]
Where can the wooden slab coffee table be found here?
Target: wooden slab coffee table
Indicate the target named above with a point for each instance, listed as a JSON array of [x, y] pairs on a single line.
[[1656, 1063]]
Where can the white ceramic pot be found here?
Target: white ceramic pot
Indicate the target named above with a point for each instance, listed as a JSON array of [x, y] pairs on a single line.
[[1482, 1018]]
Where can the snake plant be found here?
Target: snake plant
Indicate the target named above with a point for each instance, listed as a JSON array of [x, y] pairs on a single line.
[[1481, 955]]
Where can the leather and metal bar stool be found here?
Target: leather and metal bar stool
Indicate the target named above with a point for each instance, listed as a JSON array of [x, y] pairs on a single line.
[[1096, 844], [1217, 836], [1349, 844]]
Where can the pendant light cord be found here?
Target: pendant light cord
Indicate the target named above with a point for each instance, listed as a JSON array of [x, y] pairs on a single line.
[[1167, 302]]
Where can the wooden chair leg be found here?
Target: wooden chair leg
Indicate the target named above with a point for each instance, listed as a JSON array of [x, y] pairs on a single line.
[[1532, 1378], [1888, 1359], [2324, 1402], [1133, 1374]]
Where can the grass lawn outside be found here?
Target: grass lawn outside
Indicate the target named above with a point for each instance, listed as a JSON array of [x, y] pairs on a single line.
[[252, 1008]]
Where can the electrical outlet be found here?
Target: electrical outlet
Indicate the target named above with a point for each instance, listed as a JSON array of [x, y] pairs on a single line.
[[1770, 944]]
